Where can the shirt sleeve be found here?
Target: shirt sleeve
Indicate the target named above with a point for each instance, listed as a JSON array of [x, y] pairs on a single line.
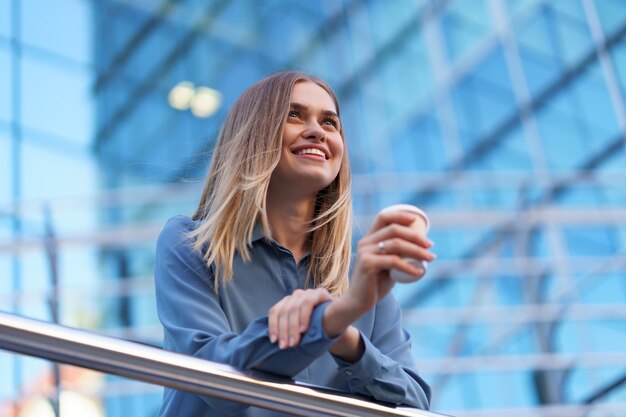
[[195, 324], [387, 371]]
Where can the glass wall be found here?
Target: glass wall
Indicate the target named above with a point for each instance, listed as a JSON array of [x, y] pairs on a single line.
[[504, 120]]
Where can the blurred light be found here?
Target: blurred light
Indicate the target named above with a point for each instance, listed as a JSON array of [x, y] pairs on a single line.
[[71, 405], [181, 95], [205, 102]]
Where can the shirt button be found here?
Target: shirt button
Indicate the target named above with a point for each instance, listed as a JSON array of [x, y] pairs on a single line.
[[349, 372]]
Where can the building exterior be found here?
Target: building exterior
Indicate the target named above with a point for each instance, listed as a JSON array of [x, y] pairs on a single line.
[[505, 120]]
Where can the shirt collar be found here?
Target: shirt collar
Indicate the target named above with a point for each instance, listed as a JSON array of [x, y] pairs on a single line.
[[257, 232]]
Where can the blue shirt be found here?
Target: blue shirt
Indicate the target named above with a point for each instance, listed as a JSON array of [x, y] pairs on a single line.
[[231, 327]]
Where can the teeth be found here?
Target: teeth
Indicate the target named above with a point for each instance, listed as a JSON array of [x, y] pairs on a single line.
[[311, 151]]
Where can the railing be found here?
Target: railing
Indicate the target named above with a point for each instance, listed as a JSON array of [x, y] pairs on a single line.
[[149, 364]]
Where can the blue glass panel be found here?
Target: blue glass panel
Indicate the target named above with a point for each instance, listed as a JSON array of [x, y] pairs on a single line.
[[42, 183], [618, 55], [616, 162], [581, 383], [127, 22], [554, 37], [162, 42], [286, 35], [5, 18], [6, 83], [339, 52], [406, 78], [572, 35], [56, 99], [579, 122], [612, 14], [501, 389], [6, 171], [516, 7], [419, 146], [595, 107], [387, 18], [571, 10], [590, 241], [581, 196], [464, 27], [62, 27], [483, 99], [600, 288], [512, 153], [540, 69]]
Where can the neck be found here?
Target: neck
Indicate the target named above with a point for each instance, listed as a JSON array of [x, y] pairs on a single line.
[[289, 220]]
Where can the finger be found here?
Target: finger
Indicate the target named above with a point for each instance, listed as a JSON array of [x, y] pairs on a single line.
[[291, 315], [383, 219], [390, 262], [322, 295], [319, 296], [396, 231], [272, 320], [294, 326], [283, 330], [402, 248]]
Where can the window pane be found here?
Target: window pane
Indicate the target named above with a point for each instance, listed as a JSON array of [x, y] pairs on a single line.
[[5, 18], [60, 26], [6, 86], [6, 169], [57, 99]]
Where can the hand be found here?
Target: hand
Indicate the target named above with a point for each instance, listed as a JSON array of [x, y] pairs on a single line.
[[370, 280], [383, 248], [291, 316]]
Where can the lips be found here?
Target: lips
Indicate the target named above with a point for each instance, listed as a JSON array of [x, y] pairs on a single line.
[[311, 150]]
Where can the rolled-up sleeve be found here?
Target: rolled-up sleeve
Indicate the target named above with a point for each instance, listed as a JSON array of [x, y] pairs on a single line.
[[386, 371], [195, 324]]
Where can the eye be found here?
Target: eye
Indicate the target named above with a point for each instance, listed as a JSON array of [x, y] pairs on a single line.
[[293, 113], [329, 121]]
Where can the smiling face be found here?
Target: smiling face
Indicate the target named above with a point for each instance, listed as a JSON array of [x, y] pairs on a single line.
[[312, 146]]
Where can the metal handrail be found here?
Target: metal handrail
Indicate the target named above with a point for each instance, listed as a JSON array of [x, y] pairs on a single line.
[[149, 364]]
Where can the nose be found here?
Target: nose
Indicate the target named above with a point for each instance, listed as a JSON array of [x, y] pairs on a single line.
[[314, 131]]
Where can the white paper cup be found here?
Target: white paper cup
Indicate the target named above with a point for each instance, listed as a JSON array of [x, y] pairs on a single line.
[[421, 225]]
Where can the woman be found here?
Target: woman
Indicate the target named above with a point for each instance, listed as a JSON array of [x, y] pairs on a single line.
[[258, 277]]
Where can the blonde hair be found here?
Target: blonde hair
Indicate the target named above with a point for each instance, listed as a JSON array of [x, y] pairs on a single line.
[[234, 195]]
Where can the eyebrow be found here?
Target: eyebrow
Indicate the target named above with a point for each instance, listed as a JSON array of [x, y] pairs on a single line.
[[298, 106]]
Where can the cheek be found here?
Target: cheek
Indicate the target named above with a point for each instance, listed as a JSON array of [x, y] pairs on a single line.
[[339, 149]]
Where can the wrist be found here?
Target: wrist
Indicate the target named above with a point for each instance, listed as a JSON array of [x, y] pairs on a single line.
[[339, 314], [349, 346]]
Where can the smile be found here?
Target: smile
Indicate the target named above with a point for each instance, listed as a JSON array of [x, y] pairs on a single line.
[[311, 151]]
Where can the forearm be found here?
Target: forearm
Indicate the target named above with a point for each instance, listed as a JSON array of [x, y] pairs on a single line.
[[349, 346], [340, 314], [337, 320], [252, 349]]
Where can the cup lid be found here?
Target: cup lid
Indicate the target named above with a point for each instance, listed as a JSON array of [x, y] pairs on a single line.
[[408, 207]]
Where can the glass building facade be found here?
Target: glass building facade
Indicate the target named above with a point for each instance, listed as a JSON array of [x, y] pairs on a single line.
[[505, 120]]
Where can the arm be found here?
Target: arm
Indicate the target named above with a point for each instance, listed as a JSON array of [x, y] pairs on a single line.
[[383, 366], [195, 324], [386, 369], [371, 283]]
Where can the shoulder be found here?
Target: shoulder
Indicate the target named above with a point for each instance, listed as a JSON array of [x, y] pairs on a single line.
[[177, 226], [175, 235]]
